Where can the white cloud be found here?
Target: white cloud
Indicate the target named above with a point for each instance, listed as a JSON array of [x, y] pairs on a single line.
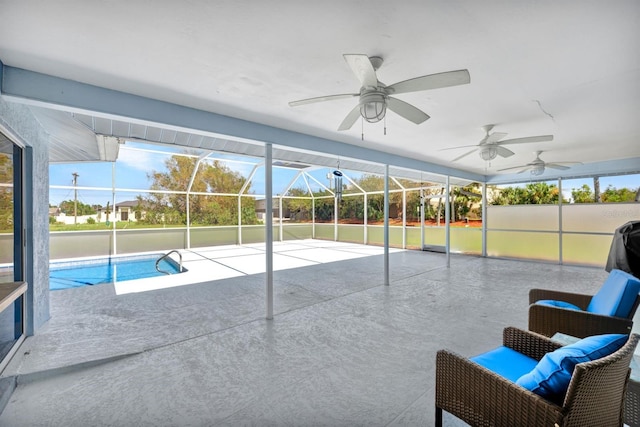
[[141, 160]]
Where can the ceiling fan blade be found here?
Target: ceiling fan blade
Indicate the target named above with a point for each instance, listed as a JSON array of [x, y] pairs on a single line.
[[459, 146], [504, 152], [556, 166], [322, 98], [541, 138], [494, 137], [362, 68], [407, 111], [464, 155], [350, 119], [432, 81], [515, 167]]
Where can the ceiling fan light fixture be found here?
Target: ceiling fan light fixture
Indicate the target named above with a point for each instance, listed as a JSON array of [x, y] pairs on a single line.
[[373, 107], [488, 153], [537, 170]]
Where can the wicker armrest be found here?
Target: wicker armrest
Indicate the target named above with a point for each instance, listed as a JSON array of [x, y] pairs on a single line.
[[528, 343], [581, 300], [479, 397], [548, 320]]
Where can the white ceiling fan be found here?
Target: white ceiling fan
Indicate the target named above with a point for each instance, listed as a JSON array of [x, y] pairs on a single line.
[[537, 166], [491, 145], [375, 96]]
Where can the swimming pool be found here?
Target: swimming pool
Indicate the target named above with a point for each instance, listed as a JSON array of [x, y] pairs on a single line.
[[73, 274]]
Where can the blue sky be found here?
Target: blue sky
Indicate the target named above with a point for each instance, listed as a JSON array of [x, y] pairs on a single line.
[[133, 166]]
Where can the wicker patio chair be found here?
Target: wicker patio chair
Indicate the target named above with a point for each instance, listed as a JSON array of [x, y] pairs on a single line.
[[480, 397], [582, 315]]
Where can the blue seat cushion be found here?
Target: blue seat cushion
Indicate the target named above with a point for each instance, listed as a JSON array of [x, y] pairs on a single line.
[[550, 377], [561, 304], [506, 362], [616, 296]]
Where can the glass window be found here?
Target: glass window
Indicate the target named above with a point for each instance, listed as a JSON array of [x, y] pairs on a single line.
[[11, 317]]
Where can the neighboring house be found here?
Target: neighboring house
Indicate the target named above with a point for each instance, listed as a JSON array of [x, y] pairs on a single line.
[[125, 211], [261, 210]]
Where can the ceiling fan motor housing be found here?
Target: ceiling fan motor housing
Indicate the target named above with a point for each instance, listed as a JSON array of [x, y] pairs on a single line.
[[373, 105]]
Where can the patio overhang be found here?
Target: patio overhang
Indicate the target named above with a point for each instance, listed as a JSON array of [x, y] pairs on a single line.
[[76, 109]]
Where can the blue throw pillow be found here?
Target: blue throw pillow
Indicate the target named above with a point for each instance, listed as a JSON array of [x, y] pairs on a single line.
[[551, 376]]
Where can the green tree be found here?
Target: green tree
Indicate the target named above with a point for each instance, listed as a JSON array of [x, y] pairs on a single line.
[[463, 200], [371, 182], [68, 208], [352, 208], [375, 202], [299, 208], [613, 195], [413, 205], [204, 209], [375, 207], [583, 194], [537, 193], [323, 207], [6, 192]]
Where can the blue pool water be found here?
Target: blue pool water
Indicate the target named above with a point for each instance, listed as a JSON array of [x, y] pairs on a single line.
[[74, 274]]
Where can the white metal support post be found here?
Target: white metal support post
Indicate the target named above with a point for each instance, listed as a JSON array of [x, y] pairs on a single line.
[[239, 238], [447, 219], [386, 225], [560, 221], [113, 204], [313, 218], [366, 214], [404, 218], [280, 217], [421, 218], [268, 238], [484, 219]]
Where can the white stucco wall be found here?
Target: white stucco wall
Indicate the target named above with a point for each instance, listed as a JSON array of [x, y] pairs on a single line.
[[19, 124]]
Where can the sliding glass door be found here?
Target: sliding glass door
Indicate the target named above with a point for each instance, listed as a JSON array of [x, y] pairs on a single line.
[[12, 288]]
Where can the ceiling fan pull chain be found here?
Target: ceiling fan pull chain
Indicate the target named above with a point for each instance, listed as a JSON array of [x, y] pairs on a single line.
[[385, 124], [362, 126]]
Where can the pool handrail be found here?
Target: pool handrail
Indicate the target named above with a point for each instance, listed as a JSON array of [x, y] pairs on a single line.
[[165, 256]]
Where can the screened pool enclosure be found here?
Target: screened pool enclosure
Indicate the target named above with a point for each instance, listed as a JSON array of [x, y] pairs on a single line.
[[167, 196]]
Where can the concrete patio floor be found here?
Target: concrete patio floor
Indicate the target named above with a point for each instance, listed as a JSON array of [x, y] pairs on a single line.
[[342, 349]]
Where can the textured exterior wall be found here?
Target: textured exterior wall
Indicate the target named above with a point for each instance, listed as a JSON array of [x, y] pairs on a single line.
[[19, 125]]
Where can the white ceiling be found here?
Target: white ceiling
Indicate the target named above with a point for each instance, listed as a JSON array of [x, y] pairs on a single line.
[[570, 68]]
